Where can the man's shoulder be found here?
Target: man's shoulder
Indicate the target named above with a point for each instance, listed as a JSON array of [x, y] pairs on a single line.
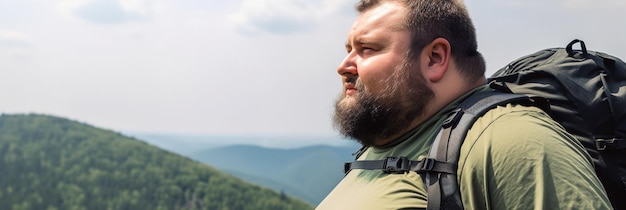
[[510, 133], [512, 124], [512, 112]]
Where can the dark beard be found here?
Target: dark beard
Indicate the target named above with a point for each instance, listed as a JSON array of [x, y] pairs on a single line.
[[372, 118]]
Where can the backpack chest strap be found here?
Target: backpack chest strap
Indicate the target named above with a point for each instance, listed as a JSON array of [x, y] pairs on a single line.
[[399, 165]]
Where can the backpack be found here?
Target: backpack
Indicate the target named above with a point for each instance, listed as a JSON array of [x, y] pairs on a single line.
[[585, 91]]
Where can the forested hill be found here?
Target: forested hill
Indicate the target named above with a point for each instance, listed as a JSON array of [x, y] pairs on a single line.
[[51, 163]]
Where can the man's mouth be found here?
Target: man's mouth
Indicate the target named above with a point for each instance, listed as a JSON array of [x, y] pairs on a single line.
[[350, 89]]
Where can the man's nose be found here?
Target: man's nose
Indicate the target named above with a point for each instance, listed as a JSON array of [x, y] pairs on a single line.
[[348, 65]]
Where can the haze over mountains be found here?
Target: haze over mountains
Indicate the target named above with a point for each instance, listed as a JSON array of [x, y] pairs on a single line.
[[308, 172], [191, 143]]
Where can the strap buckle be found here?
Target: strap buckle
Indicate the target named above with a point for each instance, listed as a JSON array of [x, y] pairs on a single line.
[[610, 143], [601, 143], [396, 165], [427, 165], [453, 118], [347, 167]]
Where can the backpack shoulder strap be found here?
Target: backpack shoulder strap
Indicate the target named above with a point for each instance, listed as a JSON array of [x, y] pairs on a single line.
[[443, 187]]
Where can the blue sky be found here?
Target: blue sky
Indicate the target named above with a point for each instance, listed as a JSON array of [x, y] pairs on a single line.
[[243, 67]]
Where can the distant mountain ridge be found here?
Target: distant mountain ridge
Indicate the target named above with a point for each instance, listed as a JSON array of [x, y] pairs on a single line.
[[309, 173], [55, 163], [187, 144]]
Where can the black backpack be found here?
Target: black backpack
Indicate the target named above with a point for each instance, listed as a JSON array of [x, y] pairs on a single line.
[[585, 91]]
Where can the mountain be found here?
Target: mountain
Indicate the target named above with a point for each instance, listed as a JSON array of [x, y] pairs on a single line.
[[189, 144], [51, 163], [309, 173]]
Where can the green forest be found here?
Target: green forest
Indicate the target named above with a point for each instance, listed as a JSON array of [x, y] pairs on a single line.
[[52, 163]]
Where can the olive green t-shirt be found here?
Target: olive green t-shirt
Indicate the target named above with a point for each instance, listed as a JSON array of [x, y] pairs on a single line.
[[513, 157]]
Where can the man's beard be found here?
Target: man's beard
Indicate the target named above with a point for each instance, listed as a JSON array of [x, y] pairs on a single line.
[[370, 118]]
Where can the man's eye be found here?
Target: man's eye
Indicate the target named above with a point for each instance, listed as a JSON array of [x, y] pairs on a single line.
[[367, 49]]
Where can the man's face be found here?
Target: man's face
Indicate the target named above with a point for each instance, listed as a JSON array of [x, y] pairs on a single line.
[[383, 91]]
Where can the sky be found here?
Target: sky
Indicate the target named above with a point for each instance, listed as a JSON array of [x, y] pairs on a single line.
[[233, 67]]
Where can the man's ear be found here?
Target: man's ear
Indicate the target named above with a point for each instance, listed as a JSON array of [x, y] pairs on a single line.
[[437, 56]]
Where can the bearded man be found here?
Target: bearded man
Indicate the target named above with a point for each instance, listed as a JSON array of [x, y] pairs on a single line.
[[409, 63]]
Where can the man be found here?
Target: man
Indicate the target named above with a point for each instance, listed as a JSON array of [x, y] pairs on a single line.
[[408, 64]]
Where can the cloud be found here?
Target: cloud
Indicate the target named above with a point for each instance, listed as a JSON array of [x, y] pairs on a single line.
[[569, 4], [107, 11], [604, 4], [284, 16], [14, 39]]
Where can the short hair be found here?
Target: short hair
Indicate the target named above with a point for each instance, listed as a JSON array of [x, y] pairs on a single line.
[[430, 19]]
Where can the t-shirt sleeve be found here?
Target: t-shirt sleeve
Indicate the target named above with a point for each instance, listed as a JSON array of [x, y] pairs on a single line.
[[516, 157]]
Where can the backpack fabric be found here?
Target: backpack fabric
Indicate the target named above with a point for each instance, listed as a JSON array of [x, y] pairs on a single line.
[[585, 91]]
